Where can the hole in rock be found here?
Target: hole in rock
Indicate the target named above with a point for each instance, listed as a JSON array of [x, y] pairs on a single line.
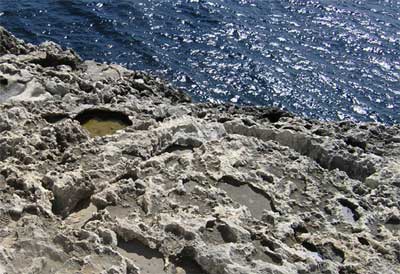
[[54, 117], [227, 234], [210, 224], [129, 174], [352, 141], [261, 253], [268, 243], [202, 114], [331, 252], [150, 261], [394, 220], [276, 259], [32, 210], [81, 205], [393, 223], [299, 229], [248, 122], [184, 261], [100, 122], [313, 250], [224, 119], [348, 211], [3, 81], [64, 208], [52, 60], [178, 149], [245, 195], [353, 169], [211, 234], [274, 114], [179, 232], [363, 241], [347, 270], [309, 246]]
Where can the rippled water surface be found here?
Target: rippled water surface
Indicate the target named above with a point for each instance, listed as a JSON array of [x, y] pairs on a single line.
[[330, 59]]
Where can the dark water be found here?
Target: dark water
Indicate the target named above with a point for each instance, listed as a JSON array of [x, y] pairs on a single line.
[[330, 59]]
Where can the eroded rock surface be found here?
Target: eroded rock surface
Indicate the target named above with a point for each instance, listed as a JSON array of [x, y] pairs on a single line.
[[185, 188]]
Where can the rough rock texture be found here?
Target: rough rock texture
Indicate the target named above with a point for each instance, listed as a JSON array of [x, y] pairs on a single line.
[[187, 188]]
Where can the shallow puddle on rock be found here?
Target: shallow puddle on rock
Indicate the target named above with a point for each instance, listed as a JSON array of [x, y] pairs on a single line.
[[103, 122], [348, 211], [8, 90], [119, 211], [348, 214], [78, 219], [127, 206], [316, 256], [98, 127], [193, 198], [245, 195], [150, 261]]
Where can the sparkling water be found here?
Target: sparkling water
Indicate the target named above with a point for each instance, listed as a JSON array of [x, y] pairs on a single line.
[[325, 59]]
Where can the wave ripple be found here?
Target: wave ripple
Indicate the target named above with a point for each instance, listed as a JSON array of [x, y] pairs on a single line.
[[326, 59]]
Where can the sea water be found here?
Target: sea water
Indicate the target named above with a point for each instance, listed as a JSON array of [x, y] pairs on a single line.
[[325, 59]]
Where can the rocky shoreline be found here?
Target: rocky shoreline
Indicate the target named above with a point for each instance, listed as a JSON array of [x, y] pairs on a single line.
[[180, 187]]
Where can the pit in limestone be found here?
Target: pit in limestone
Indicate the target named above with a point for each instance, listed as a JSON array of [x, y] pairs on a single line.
[[9, 88], [147, 259], [102, 122], [255, 200]]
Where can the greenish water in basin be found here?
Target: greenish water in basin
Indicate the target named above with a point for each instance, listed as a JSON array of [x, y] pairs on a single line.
[[100, 127], [102, 122]]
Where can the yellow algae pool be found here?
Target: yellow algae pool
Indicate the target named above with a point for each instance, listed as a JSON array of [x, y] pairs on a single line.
[[98, 127], [103, 122]]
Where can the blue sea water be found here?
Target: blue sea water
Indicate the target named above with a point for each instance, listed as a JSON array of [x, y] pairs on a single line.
[[326, 59]]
